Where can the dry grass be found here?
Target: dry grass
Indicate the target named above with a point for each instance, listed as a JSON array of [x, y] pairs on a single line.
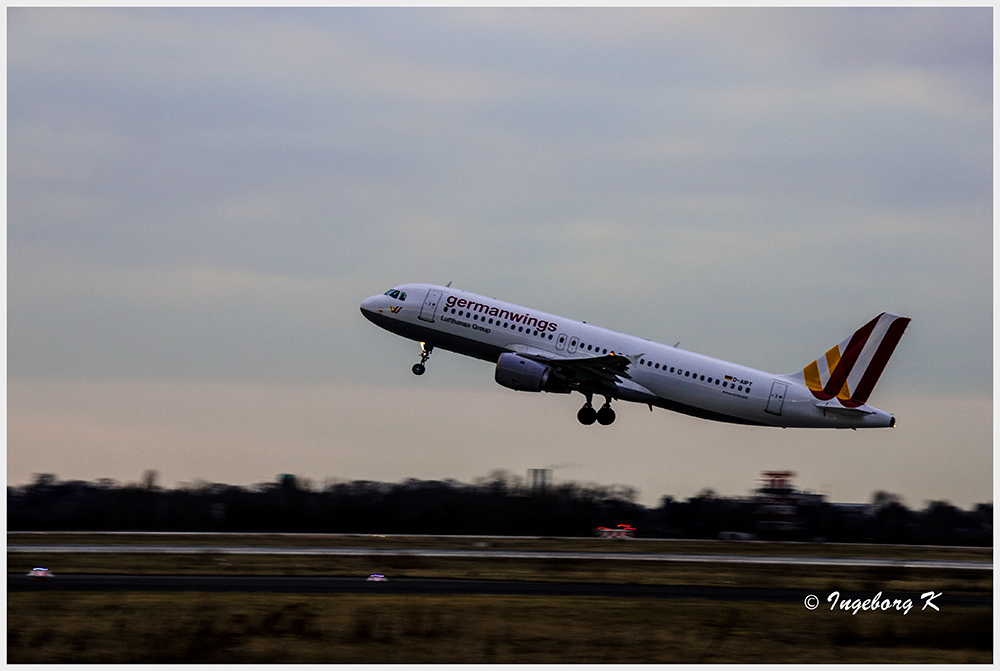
[[233, 628]]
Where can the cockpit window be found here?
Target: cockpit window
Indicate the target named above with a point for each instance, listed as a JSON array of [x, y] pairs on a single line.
[[396, 293]]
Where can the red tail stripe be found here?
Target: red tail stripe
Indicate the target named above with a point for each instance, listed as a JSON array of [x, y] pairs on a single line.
[[838, 376], [881, 358]]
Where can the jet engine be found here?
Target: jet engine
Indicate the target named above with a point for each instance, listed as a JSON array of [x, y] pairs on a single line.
[[520, 374]]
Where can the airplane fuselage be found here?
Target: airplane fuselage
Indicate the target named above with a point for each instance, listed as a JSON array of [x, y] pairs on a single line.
[[645, 371]]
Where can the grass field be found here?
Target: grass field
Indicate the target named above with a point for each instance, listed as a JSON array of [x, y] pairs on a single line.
[[237, 628], [56, 627]]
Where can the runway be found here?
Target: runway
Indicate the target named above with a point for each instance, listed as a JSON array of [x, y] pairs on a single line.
[[436, 586], [797, 560]]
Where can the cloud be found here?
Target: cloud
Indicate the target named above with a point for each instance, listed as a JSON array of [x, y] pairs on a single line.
[[205, 195]]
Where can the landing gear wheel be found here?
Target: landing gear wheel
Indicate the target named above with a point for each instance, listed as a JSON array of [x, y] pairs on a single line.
[[606, 415], [587, 415], [425, 354]]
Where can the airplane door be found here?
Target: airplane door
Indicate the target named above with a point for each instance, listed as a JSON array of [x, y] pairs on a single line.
[[429, 307], [572, 344], [561, 341], [777, 398]]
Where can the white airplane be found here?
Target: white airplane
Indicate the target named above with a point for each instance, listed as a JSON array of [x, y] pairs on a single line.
[[535, 351]]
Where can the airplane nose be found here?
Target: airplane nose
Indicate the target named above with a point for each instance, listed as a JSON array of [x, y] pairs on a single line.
[[370, 306]]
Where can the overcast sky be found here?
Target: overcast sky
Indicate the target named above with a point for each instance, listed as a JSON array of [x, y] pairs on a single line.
[[199, 199]]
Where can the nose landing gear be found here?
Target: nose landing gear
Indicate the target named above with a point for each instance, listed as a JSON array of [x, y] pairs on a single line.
[[425, 353]]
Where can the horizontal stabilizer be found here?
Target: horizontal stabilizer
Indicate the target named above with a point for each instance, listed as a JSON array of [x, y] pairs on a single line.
[[831, 409]]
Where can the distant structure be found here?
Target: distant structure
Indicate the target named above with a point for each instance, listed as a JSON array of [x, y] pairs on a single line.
[[778, 503], [621, 532], [540, 479]]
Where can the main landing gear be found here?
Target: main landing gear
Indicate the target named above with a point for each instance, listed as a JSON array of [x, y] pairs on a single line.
[[587, 415], [425, 353]]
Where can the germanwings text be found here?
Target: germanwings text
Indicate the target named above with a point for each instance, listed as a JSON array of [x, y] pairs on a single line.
[[493, 311]]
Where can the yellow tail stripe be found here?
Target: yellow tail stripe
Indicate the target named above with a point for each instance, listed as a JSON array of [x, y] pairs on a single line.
[[811, 373], [833, 358]]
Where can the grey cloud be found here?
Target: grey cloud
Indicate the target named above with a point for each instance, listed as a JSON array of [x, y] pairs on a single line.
[[198, 199], [563, 158]]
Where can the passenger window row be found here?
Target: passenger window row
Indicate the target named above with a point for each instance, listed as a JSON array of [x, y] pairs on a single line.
[[496, 322], [688, 374], [591, 348]]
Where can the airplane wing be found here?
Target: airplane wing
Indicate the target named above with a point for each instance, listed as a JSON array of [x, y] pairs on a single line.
[[607, 370]]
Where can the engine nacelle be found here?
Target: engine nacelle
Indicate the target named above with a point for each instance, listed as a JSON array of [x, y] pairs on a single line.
[[520, 374]]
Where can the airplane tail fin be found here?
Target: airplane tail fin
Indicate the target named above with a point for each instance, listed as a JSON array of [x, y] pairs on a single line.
[[849, 371]]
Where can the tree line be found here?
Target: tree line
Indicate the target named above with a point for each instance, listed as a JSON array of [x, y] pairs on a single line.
[[498, 504]]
